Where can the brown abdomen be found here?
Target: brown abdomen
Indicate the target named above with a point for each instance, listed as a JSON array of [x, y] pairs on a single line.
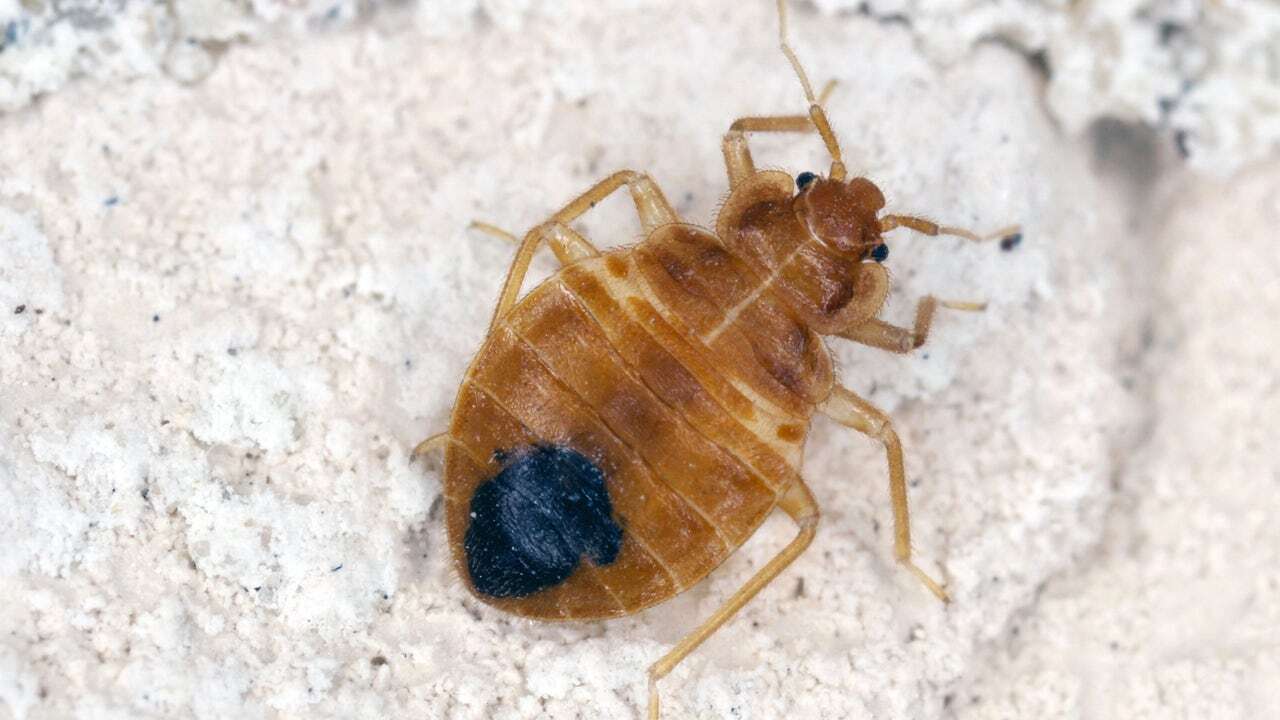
[[605, 458]]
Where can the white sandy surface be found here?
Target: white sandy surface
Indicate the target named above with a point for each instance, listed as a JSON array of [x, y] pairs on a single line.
[[232, 301]]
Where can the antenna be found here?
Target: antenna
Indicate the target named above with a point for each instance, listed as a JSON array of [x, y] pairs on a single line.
[[816, 113]]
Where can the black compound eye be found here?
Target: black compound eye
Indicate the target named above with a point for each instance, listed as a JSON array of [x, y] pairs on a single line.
[[804, 178], [880, 253]]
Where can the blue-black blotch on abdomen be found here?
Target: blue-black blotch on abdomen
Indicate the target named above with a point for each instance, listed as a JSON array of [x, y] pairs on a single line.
[[532, 522]]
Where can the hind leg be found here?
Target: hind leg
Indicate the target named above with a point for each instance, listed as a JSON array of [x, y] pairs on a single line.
[[803, 509]]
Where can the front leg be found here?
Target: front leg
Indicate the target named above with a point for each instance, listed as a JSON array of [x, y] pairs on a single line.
[[852, 411], [880, 334], [737, 154]]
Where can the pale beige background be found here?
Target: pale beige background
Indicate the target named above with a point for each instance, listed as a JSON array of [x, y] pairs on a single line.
[[247, 290]]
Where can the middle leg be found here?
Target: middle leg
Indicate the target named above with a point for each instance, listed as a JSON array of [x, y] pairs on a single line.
[[567, 244], [651, 206], [849, 410]]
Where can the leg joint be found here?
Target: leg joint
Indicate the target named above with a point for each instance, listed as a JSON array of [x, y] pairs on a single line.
[[630, 177], [881, 428], [809, 523]]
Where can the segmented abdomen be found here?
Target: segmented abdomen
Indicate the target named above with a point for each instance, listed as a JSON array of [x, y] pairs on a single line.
[[680, 381]]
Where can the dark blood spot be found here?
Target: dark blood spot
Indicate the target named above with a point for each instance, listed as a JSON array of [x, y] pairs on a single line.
[[880, 253], [20, 309], [532, 523], [804, 178], [1009, 242]]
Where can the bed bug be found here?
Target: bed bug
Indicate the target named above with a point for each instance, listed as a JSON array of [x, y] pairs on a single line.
[[632, 420]]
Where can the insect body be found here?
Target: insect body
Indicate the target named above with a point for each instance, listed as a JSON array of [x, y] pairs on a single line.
[[633, 419], [664, 389]]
